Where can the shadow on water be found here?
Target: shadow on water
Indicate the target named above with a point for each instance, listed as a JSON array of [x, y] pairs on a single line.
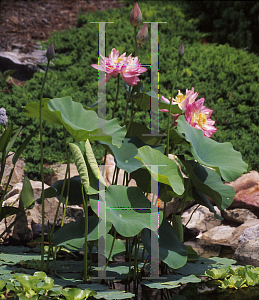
[[191, 291]]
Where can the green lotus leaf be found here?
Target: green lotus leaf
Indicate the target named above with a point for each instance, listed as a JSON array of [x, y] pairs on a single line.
[[171, 250], [168, 171], [77, 294], [27, 195], [209, 182], [220, 156], [113, 294], [72, 235], [125, 155], [126, 208], [80, 123]]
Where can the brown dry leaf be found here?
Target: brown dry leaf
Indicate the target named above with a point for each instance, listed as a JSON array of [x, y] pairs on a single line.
[[14, 19]]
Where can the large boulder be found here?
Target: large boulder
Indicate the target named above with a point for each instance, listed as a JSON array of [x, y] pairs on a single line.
[[18, 172], [248, 252], [25, 65], [233, 239], [249, 234], [219, 235], [238, 215], [247, 192], [201, 219], [59, 172], [24, 228]]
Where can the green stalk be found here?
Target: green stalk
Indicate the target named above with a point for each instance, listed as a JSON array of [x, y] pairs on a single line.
[[108, 259], [60, 199], [125, 115], [116, 99], [68, 181], [187, 187], [130, 253], [42, 171], [168, 126], [86, 232], [135, 39]]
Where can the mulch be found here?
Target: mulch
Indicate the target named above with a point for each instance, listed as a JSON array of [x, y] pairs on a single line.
[[23, 23]]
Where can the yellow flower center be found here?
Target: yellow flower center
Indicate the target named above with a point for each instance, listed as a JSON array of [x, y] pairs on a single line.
[[179, 99], [202, 120]]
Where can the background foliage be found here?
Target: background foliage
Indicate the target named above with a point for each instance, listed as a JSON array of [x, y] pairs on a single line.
[[233, 22], [226, 77]]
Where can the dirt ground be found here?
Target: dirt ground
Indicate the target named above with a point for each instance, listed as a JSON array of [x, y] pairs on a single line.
[[24, 22]]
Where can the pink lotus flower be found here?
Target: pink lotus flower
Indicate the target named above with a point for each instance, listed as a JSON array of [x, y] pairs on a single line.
[[111, 65], [198, 116], [131, 70], [136, 16], [181, 100], [129, 67]]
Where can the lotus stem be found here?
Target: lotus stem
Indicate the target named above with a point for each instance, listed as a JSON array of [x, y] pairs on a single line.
[[42, 171]]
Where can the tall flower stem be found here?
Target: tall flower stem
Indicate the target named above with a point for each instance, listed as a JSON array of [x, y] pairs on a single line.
[[126, 109], [61, 196], [168, 124], [42, 171], [135, 39], [110, 254], [116, 99], [85, 203]]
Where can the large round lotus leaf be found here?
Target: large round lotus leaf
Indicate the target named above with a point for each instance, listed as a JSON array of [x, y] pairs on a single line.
[[72, 235], [161, 168], [209, 182], [118, 247], [126, 208], [171, 250], [220, 156], [80, 123], [125, 155]]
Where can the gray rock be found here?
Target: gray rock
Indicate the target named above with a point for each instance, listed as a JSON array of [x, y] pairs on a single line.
[[59, 173], [233, 240], [248, 253], [218, 235], [24, 64], [202, 219], [249, 234], [204, 250], [18, 173], [24, 229], [239, 215]]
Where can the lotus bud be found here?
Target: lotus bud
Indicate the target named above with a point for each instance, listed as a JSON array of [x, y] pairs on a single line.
[[181, 51], [50, 52], [142, 35], [136, 16]]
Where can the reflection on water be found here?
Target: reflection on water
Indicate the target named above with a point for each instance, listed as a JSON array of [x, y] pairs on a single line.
[[207, 291]]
